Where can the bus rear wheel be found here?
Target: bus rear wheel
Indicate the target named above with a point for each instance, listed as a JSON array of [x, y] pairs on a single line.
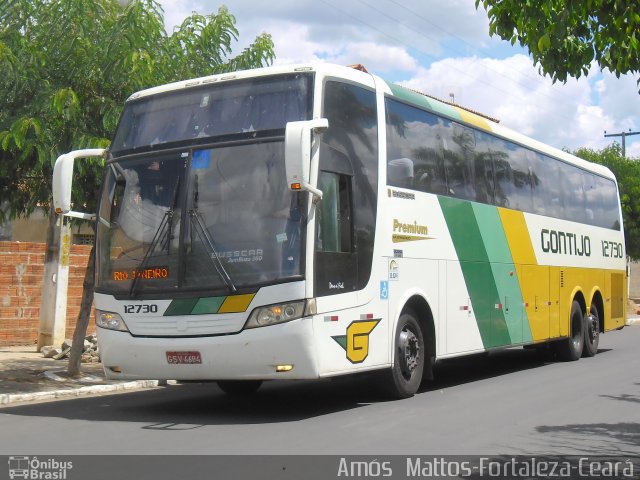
[[239, 387], [570, 349], [405, 376], [591, 332]]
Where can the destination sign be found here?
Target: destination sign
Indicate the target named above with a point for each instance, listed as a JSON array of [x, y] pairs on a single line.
[[151, 273]]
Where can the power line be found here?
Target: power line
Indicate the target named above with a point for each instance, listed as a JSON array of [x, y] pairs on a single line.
[[395, 39], [453, 67], [554, 94]]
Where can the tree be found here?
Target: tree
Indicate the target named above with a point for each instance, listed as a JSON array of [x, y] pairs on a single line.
[[564, 37], [68, 66], [627, 172]]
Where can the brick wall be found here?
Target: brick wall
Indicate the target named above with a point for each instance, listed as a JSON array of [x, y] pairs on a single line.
[[21, 273]]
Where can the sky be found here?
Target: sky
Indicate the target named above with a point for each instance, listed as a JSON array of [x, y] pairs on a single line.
[[443, 48]]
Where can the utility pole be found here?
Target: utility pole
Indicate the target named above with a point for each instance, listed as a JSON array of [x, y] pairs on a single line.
[[622, 134], [53, 310]]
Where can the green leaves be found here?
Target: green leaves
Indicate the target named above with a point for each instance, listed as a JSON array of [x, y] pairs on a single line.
[[565, 36], [65, 102], [544, 42], [69, 65]]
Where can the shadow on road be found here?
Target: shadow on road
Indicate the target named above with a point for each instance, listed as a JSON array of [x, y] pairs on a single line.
[[189, 406], [601, 438]]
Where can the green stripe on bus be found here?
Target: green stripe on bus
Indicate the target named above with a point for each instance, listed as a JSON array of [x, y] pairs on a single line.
[[504, 272], [425, 102], [208, 305], [478, 275], [194, 306]]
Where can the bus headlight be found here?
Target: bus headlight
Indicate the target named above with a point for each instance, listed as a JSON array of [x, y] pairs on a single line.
[[111, 321], [273, 314]]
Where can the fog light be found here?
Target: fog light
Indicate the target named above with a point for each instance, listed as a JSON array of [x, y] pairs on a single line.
[[284, 368]]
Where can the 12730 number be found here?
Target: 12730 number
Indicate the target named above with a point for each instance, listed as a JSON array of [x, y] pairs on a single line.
[[141, 308]]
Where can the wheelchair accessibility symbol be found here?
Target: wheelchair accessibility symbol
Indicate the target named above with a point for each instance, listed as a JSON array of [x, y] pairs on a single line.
[[384, 290]]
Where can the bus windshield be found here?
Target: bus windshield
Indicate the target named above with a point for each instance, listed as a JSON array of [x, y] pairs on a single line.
[[218, 219], [195, 197], [197, 114]]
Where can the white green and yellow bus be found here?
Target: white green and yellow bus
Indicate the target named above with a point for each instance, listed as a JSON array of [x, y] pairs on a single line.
[[312, 221]]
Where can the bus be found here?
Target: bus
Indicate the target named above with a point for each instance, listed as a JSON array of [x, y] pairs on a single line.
[[312, 221]]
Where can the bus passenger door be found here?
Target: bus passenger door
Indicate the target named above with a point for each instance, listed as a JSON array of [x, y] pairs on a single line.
[[336, 264]]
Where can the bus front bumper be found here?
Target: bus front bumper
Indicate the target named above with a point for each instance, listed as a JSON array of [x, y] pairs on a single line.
[[285, 351]]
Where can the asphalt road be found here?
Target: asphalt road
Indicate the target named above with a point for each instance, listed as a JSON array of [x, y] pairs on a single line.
[[511, 402]]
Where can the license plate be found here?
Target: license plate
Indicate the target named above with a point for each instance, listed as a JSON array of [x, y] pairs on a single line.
[[188, 358]]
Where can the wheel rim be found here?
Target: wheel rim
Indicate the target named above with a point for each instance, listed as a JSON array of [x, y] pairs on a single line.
[[409, 349]]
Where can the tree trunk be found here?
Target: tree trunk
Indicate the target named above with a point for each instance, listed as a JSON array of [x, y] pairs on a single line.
[[84, 316]]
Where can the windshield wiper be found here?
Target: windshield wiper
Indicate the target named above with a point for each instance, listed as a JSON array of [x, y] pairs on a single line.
[[205, 238], [163, 232]]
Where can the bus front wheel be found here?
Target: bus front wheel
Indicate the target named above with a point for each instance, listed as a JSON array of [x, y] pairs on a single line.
[[405, 376], [239, 387], [570, 349]]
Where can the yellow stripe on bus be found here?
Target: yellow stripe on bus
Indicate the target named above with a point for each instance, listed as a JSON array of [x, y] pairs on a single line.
[[236, 303], [533, 278], [517, 232], [473, 119]]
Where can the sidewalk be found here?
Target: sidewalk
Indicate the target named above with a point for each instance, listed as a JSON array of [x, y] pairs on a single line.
[[25, 376]]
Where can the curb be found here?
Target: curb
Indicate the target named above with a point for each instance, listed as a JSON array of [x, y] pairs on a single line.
[[7, 398], [633, 321]]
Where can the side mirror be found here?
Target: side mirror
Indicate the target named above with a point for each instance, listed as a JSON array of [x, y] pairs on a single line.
[[63, 179], [297, 154]]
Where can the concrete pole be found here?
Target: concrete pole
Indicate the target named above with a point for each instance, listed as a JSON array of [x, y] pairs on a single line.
[[53, 307]]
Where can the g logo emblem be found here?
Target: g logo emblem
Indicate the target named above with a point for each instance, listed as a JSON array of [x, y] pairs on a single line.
[[356, 341]]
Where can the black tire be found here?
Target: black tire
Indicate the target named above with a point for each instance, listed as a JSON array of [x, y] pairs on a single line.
[[570, 349], [591, 332], [239, 387], [405, 376]]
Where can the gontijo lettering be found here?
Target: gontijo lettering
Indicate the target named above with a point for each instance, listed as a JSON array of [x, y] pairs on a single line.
[[566, 243]]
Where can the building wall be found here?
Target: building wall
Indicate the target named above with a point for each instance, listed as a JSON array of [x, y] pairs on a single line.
[[634, 280], [21, 275], [34, 229]]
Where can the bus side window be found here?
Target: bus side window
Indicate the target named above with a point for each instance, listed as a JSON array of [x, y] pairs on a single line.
[[414, 135], [459, 145], [592, 201], [608, 217], [503, 179], [334, 231], [546, 185], [573, 189], [521, 193], [400, 172]]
